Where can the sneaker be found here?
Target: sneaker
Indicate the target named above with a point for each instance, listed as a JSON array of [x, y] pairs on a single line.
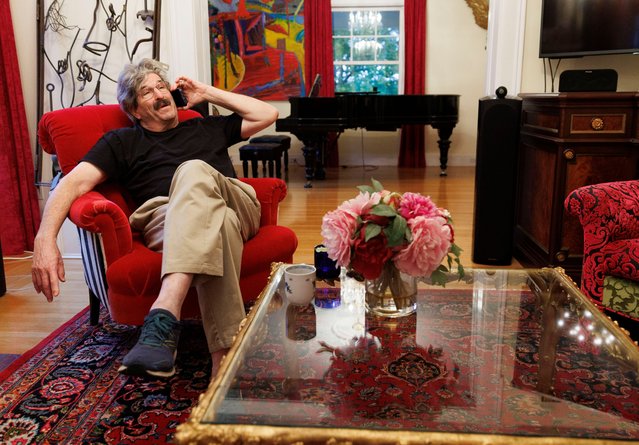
[[154, 353]]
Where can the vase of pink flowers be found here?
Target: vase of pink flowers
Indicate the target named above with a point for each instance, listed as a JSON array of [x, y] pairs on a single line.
[[392, 294], [389, 240]]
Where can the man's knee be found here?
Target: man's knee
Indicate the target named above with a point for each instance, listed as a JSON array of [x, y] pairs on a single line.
[[195, 166], [195, 171]]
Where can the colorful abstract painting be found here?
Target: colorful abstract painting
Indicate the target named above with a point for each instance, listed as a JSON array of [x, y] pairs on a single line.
[[257, 47]]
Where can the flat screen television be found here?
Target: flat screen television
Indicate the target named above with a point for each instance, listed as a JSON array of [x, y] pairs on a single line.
[[575, 28]]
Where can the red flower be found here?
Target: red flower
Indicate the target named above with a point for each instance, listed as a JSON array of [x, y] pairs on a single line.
[[369, 256], [381, 221]]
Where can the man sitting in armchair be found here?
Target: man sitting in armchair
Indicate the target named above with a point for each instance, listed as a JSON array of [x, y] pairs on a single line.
[[191, 207]]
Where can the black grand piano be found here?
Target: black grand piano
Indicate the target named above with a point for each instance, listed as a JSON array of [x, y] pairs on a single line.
[[312, 119]]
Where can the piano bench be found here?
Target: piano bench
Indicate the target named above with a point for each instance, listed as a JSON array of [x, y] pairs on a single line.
[[267, 153], [282, 139]]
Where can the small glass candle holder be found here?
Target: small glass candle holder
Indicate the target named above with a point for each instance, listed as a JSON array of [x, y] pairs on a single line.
[[327, 269]]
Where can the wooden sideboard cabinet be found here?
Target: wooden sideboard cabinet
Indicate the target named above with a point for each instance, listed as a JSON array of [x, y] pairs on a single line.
[[568, 140]]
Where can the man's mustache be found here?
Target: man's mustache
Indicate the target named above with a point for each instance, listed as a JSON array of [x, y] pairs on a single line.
[[161, 103]]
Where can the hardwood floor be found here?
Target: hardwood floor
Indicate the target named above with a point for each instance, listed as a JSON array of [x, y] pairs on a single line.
[[26, 318]]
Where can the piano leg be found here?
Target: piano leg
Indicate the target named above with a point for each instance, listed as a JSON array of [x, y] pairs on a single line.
[[313, 151], [309, 164], [443, 131]]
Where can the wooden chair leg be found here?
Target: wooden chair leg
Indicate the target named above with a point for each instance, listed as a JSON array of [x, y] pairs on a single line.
[[254, 163], [94, 309]]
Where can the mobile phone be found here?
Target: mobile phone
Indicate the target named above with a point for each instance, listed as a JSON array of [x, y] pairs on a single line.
[[178, 98]]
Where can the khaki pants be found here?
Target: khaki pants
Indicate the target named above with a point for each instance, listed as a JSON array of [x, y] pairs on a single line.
[[200, 228]]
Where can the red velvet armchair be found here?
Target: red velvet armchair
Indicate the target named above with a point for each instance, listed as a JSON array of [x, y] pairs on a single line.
[[121, 272], [609, 215]]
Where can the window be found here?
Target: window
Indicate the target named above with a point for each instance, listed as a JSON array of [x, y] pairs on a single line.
[[368, 50]]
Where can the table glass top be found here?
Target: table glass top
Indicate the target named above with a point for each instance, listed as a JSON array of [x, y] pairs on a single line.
[[512, 352]]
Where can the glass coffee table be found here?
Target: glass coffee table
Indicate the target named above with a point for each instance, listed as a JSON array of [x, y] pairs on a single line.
[[499, 357]]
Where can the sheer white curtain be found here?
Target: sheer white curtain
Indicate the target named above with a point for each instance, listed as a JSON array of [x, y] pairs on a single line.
[[184, 39]]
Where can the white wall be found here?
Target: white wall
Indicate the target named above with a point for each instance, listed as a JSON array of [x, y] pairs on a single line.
[[455, 64]]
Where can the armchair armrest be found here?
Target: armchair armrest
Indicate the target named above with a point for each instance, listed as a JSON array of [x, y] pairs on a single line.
[[270, 192], [607, 211], [93, 212]]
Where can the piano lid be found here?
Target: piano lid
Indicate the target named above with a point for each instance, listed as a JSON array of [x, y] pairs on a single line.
[[369, 110]]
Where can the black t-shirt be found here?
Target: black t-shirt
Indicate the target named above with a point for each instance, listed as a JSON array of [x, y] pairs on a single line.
[[144, 162]]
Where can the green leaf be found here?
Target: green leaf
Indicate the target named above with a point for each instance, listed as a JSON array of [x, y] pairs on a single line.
[[383, 210], [378, 185], [372, 230], [460, 270], [365, 188], [395, 232], [438, 277], [455, 249]]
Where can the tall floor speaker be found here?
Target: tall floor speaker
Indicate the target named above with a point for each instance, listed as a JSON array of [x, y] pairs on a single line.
[[495, 178]]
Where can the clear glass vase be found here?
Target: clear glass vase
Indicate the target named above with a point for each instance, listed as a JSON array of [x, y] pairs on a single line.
[[392, 294]]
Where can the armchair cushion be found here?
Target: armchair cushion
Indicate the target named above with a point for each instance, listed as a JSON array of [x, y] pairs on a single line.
[[133, 270], [609, 215], [621, 295]]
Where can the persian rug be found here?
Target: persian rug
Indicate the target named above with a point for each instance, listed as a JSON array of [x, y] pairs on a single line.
[[67, 389]]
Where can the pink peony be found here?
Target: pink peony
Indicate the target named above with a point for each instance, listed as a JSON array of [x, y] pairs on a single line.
[[361, 204], [338, 227], [415, 204], [432, 239]]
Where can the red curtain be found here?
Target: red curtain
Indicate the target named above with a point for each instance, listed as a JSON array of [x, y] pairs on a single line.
[[18, 198], [412, 152], [318, 45], [318, 59]]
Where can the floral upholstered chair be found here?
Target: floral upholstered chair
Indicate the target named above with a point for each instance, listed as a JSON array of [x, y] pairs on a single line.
[[609, 215]]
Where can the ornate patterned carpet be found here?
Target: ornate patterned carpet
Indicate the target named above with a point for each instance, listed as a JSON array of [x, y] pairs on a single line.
[[67, 389]]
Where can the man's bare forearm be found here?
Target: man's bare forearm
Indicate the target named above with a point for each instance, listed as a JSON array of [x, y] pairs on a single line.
[[247, 107], [55, 211], [256, 114], [47, 268]]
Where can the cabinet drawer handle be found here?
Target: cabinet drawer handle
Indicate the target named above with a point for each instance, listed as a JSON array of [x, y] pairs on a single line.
[[597, 123], [561, 255], [569, 154]]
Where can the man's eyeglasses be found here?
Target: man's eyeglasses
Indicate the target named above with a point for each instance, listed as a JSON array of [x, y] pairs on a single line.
[[147, 93]]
